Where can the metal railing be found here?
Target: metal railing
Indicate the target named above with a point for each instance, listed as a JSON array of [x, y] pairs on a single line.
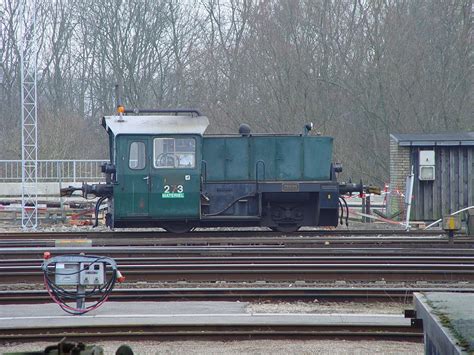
[[55, 170]]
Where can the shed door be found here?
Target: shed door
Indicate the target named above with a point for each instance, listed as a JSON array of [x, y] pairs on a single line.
[[134, 178]]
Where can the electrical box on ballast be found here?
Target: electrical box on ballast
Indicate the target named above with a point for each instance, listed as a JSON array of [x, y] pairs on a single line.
[[427, 165], [80, 272]]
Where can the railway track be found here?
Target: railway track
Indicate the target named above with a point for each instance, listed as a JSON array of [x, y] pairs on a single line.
[[273, 263], [183, 251], [296, 268], [270, 257], [220, 332], [333, 294], [303, 238], [319, 259], [296, 242], [306, 239], [35, 254], [217, 234]]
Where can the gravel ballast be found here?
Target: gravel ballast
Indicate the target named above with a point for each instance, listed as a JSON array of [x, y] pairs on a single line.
[[250, 347], [329, 307]]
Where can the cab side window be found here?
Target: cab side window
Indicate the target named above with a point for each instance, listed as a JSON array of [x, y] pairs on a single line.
[[174, 153], [137, 160]]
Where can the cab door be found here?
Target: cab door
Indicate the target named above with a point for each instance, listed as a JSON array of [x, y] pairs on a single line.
[[176, 178], [132, 193]]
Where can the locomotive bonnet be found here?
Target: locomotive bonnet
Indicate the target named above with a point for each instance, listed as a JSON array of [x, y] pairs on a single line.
[[164, 171]]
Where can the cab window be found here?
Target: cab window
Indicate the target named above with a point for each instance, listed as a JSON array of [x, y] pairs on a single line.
[[136, 160], [174, 153]]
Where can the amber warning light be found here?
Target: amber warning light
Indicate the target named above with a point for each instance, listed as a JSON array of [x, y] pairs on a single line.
[[120, 109]]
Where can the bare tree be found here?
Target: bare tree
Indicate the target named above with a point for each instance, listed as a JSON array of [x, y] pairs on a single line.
[[358, 69]]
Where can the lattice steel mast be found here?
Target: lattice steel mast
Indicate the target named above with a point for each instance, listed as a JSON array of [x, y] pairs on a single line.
[[29, 123]]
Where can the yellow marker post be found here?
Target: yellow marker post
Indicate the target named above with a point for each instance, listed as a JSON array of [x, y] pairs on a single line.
[[450, 225]]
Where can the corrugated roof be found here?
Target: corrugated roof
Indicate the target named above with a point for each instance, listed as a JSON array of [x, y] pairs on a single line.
[[432, 139]]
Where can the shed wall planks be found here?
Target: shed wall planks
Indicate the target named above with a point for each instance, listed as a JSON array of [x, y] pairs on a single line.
[[453, 187]]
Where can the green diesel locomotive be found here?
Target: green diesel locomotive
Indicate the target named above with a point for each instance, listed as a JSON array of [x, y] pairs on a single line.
[[165, 172]]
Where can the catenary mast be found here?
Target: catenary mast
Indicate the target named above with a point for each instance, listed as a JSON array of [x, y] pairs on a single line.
[[29, 123]]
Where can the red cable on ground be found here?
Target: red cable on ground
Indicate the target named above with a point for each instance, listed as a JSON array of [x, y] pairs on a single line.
[[53, 297], [63, 305]]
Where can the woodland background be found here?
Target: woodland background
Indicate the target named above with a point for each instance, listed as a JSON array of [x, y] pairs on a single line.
[[358, 69]]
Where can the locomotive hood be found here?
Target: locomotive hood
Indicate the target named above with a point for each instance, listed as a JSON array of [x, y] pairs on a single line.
[[164, 124]]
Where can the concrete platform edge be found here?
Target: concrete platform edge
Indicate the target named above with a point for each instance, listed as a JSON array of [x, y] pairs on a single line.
[[435, 334]]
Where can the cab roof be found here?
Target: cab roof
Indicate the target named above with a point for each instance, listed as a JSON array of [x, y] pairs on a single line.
[[156, 124]]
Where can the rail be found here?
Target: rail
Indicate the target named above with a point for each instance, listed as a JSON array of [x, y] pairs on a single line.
[[55, 170], [269, 293]]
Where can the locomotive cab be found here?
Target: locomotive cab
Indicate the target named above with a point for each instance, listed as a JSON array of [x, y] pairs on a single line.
[[157, 178]]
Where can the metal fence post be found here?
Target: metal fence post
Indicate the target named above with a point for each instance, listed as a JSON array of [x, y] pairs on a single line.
[[362, 207], [74, 170], [61, 204], [367, 208]]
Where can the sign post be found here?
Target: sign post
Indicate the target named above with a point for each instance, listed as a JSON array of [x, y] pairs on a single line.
[[408, 197]]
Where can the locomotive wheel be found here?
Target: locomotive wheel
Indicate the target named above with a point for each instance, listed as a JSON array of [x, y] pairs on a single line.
[[177, 227], [286, 227]]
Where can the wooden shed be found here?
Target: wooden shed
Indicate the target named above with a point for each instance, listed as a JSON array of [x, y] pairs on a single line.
[[443, 165]]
